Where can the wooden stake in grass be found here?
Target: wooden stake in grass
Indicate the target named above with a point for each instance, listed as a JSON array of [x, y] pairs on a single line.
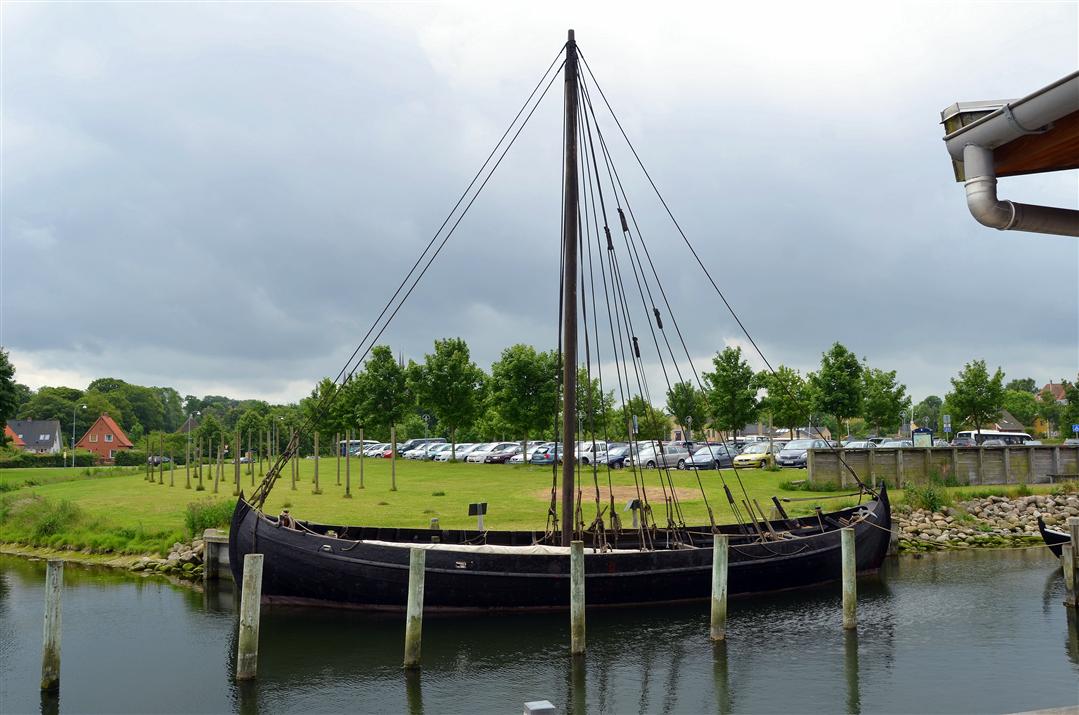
[[187, 461], [316, 490], [217, 472], [161, 453], [361, 457], [295, 453], [172, 470], [393, 458], [348, 465], [236, 464], [337, 448]]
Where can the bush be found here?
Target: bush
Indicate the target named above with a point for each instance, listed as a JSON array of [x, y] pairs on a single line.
[[804, 485], [207, 514], [131, 458], [931, 497], [23, 460]]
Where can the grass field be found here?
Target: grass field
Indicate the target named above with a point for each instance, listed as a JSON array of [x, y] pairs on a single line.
[[116, 509]]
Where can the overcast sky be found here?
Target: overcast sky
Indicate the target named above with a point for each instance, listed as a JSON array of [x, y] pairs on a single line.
[[220, 197]]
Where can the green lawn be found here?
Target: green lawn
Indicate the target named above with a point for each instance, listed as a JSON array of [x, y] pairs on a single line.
[[13, 478]]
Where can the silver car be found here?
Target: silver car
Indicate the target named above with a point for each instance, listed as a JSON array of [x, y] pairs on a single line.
[[669, 455]]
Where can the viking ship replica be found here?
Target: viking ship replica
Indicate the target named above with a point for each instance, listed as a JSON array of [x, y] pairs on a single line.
[[1053, 538], [660, 558]]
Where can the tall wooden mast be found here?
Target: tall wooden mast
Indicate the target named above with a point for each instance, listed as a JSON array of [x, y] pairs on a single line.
[[569, 301]]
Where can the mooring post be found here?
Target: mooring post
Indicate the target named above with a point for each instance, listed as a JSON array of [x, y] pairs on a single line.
[[414, 612], [50, 654], [850, 579], [576, 598], [1071, 575], [250, 607], [719, 587]]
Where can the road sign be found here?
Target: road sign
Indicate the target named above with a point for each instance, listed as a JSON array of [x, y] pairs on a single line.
[[947, 428], [1075, 429], [947, 419]]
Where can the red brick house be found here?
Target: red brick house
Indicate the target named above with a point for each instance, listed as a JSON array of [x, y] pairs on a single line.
[[105, 438]]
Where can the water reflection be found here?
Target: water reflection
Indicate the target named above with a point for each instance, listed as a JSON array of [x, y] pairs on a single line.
[[50, 702], [577, 697], [413, 692], [850, 670], [721, 677]]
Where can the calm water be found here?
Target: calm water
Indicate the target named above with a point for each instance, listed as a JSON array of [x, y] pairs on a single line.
[[967, 632]]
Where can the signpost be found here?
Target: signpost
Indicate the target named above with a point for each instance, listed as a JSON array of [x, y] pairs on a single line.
[[922, 437], [1075, 429], [478, 510], [947, 424]]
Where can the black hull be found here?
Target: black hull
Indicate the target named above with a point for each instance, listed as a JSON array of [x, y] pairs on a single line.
[[1054, 539], [307, 567]]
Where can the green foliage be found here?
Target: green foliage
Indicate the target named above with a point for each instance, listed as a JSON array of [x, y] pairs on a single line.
[[207, 514], [25, 459], [131, 458], [837, 386], [927, 413], [732, 391], [448, 384], [883, 400], [209, 431], [524, 389], [976, 397], [651, 421], [594, 406], [384, 394], [1022, 404], [933, 496], [1025, 384], [9, 397], [787, 398], [688, 405]]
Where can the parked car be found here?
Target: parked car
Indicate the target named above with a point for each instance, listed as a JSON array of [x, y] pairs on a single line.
[[375, 450], [527, 456], [589, 451], [492, 448], [941, 443], [461, 451], [758, 456], [669, 455], [994, 443], [1071, 442], [964, 442], [502, 455], [711, 456], [894, 443], [388, 452], [794, 453], [859, 444], [156, 459], [876, 440], [547, 455], [480, 451]]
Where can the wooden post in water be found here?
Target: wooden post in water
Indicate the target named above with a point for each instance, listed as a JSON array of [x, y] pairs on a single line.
[[576, 598], [361, 457], [337, 449], [414, 612], [1069, 559], [348, 465], [393, 458], [316, 490], [50, 654], [850, 579], [718, 630], [250, 606]]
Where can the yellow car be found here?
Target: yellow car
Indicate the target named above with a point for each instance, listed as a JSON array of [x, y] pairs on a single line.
[[757, 455]]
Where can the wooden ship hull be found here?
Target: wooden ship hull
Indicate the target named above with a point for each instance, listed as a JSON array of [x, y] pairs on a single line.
[[367, 567], [1053, 538]]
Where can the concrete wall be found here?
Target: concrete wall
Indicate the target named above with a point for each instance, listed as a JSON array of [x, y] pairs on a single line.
[[968, 465]]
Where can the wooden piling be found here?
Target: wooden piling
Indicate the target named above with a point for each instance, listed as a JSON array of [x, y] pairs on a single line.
[[316, 489], [718, 630], [850, 579], [393, 458], [348, 464], [250, 608], [576, 598], [50, 654], [361, 457], [414, 613], [1069, 558]]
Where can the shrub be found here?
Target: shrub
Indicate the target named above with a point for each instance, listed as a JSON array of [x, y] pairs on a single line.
[[207, 514], [438, 494], [931, 497], [25, 459], [804, 485]]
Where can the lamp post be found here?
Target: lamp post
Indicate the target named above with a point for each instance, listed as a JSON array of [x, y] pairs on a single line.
[[74, 408]]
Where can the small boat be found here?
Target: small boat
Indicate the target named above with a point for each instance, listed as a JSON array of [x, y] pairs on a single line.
[[1054, 538], [367, 567]]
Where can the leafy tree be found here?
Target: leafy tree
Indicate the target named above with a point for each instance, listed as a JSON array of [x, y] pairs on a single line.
[[977, 397], [9, 396], [652, 422], [837, 386], [688, 405], [524, 389], [1022, 404], [1069, 413], [321, 410], [385, 397], [883, 400], [732, 391], [250, 426], [209, 430], [787, 398], [594, 406], [927, 413], [450, 385], [1025, 384], [1049, 410]]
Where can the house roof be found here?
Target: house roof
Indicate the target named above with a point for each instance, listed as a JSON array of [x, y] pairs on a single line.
[[1007, 423], [190, 425], [15, 439], [37, 434], [1055, 389], [110, 424]]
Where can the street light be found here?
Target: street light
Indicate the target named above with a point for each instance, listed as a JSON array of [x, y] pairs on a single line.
[[74, 408]]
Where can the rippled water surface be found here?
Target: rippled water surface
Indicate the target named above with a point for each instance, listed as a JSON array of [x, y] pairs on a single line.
[[982, 632]]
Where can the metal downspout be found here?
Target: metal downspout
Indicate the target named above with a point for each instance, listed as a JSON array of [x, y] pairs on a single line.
[[988, 210]]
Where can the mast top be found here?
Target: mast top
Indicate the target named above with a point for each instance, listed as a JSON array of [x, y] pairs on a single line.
[[571, 40]]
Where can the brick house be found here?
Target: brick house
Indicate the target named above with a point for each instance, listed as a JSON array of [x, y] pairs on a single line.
[[14, 439], [105, 438], [38, 436]]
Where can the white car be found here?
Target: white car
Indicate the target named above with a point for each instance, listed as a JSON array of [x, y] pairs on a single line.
[[532, 447], [480, 452], [376, 450], [416, 453], [462, 450], [481, 455], [588, 452]]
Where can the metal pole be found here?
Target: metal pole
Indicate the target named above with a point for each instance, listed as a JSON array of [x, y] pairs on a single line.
[[569, 303], [414, 613], [850, 579], [720, 545], [250, 607], [576, 598], [50, 654]]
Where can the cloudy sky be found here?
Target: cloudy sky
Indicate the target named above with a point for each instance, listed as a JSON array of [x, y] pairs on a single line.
[[221, 197]]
